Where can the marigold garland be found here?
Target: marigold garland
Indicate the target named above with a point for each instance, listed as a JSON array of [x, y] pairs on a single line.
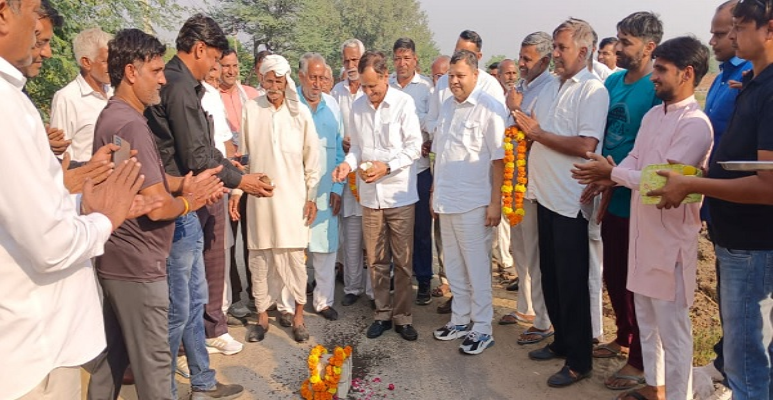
[[515, 160], [352, 179], [324, 388]]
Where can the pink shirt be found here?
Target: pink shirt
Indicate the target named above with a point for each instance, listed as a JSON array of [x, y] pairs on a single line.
[[234, 101], [659, 239]]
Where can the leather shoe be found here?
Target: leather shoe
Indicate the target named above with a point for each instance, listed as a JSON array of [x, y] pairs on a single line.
[[513, 286], [349, 299], [445, 308], [255, 333], [285, 319], [407, 332], [544, 354], [377, 328], [566, 377], [300, 334], [329, 313]]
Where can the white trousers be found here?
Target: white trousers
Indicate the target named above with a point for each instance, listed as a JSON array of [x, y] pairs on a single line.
[[63, 383], [467, 255], [501, 246], [325, 276], [595, 268], [524, 244], [356, 279], [273, 268], [666, 341]]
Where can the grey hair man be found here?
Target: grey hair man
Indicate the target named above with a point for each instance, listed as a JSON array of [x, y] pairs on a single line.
[[75, 107], [440, 67], [507, 74]]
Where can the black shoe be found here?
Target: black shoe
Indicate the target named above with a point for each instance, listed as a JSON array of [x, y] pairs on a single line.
[[220, 391], [423, 295], [233, 321], [310, 288], [255, 333], [407, 332], [544, 354], [445, 308], [566, 377], [373, 304], [329, 313], [285, 319], [251, 305], [513, 286], [300, 334], [377, 328], [349, 299]]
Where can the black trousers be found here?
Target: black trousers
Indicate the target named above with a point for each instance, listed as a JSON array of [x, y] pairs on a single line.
[[564, 253], [236, 281]]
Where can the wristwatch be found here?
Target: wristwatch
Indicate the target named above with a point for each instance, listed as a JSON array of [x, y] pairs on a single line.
[[389, 170]]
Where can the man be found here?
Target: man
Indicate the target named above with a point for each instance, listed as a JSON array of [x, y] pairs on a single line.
[[664, 243], [608, 53], [508, 74], [234, 96], [597, 68], [131, 273], [720, 103], [468, 199], [468, 40], [533, 63], [346, 93], [439, 68], [386, 139], [47, 262], [256, 68], [324, 232], [184, 140], [280, 137], [631, 96], [571, 109], [328, 82], [75, 107], [213, 104], [740, 226], [406, 79], [493, 69]]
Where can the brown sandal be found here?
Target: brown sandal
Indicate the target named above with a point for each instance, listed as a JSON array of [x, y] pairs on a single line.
[[440, 291]]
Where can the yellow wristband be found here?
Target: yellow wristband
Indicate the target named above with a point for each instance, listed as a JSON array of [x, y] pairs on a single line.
[[185, 203]]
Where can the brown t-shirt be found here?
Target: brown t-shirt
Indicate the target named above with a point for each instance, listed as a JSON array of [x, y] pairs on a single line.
[[138, 249]]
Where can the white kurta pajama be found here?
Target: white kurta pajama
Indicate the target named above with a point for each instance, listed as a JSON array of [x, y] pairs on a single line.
[[283, 144]]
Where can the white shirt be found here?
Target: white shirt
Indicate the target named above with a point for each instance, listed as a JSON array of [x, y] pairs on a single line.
[[486, 83], [344, 97], [531, 91], [390, 134], [469, 137], [419, 88], [601, 70], [213, 104], [75, 110], [576, 108], [50, 312]]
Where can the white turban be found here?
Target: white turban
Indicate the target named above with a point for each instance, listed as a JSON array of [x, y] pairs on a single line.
[[280, 67]]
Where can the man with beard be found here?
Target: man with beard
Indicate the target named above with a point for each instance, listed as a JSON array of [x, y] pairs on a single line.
[[508, 74], [664, 242], [631, 95]]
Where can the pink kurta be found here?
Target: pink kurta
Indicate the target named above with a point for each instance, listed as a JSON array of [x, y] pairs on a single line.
[[661, 238]]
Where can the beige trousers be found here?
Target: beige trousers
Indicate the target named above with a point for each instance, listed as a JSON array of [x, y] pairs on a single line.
[[273, 268], [388, 236], [63, 383], [525, 248]]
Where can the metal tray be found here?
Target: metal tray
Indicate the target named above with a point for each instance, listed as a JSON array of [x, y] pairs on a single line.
[[746, 165]]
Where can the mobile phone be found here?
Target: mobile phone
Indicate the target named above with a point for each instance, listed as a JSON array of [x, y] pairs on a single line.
[[124, 150]]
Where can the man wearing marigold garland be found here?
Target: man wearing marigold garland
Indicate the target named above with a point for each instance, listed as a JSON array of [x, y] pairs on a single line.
[[567, 123], [467, 197]]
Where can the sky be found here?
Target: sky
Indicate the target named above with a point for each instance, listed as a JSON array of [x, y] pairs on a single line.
[[504, 23]]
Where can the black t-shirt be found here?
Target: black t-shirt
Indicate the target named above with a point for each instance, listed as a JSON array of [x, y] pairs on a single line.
[[138, 249], [745, 226]]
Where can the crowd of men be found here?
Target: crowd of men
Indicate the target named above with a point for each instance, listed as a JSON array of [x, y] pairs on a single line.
[[149, 171]]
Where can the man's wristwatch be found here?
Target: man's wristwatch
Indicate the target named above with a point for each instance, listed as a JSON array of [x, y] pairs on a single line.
[[389, 170]]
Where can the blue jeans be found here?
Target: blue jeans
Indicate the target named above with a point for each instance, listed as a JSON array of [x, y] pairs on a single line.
[[187, 297], [745, 300], [422, 231]]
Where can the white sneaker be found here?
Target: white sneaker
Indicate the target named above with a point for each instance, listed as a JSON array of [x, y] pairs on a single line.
[[451, 332], [182, 367], [223, 344], [721, 393]]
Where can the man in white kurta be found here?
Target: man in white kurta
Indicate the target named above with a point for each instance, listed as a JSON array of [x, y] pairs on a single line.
[[467, 197], [279, 135]]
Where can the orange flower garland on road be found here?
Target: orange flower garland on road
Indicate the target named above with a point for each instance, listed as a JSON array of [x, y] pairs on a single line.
[[352, 179], [515, 162], [317, 387]]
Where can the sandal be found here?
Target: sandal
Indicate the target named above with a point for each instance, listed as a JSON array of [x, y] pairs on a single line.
[[634, 379], [540, 336], [633, 394], [606, 351], [440, 291], [516, 318]]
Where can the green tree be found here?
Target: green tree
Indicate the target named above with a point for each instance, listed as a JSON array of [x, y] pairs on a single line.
[[493, 59]]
